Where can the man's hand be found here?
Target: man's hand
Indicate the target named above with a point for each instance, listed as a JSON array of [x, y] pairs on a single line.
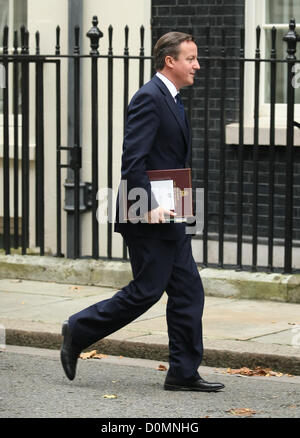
[[157, 215]]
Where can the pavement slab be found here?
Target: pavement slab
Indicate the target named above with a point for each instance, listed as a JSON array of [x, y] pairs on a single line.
[[237, 332]]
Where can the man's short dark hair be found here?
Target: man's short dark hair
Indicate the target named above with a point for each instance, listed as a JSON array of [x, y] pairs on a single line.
[[168, 45]]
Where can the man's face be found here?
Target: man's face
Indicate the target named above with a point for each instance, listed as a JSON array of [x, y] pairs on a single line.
[[186, 65]]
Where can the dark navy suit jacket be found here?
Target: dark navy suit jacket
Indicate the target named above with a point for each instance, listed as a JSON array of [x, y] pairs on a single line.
[[155, 138]]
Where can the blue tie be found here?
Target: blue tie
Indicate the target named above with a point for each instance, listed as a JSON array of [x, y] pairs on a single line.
[[180, 107]]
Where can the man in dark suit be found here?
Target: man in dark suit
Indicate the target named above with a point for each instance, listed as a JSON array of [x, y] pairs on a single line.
[[156, 137]]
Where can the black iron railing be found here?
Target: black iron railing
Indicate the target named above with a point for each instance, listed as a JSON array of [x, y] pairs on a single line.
[[209, 63], [80, 197]]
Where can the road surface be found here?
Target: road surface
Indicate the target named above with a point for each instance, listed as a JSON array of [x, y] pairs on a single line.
[[33, 385]]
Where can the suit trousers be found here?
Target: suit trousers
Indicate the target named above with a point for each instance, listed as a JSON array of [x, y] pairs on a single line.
[[158, 266]]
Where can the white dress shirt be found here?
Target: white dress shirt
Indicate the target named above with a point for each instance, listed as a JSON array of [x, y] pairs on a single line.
[[171, 87]]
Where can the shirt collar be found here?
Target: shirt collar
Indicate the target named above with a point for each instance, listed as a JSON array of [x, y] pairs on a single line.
[[171, 87]]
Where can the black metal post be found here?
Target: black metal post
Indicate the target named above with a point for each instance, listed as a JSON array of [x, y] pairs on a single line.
[[240, 176], [77, 149], [25, 140], [190, 94], [110, 140], [6, 165], [74, 109], [94, 34], [16, 140], [272, 150], [255, 150], [39, 164], [125, 100], [142, 60], [291, 39], [58, 144], [206, 147], [222, 153]]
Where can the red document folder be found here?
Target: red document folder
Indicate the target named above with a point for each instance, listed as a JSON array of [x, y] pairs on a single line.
[[182, 187], [181, 182]]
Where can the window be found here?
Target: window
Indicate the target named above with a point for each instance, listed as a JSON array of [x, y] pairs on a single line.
[[278, 14], [266, 14]]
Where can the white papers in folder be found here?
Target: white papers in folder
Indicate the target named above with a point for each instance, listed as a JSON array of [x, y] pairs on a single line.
[[163, 191]]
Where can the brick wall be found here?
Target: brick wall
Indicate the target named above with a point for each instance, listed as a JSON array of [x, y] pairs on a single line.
[[193, 16]]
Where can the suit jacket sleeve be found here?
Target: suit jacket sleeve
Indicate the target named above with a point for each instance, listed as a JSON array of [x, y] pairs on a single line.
[[140, 134]]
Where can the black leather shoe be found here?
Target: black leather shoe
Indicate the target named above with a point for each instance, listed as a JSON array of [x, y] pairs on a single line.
[[173, 384], [68, 355]]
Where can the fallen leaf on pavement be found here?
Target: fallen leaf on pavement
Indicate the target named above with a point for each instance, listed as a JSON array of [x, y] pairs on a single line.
[[161, 367], [258, 371], [75, 288], [99, 356], [244, 371], [242, 412], [92, 355], [110, 396], [88, 355]]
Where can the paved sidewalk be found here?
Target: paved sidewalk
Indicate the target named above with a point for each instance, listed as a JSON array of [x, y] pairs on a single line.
[[237, 332]]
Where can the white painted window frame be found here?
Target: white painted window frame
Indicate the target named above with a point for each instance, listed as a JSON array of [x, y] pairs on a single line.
[[254, 16]]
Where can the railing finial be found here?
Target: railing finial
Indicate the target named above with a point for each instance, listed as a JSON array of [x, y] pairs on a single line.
[[94, 34], [291, 39]]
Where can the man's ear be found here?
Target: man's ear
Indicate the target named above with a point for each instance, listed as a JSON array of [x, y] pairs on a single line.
[[169, 61]]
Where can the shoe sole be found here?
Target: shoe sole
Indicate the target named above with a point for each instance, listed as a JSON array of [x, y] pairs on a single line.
[[168, 387]]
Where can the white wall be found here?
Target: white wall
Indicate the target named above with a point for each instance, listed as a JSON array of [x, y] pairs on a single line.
[[117, 13], [44, 16]]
